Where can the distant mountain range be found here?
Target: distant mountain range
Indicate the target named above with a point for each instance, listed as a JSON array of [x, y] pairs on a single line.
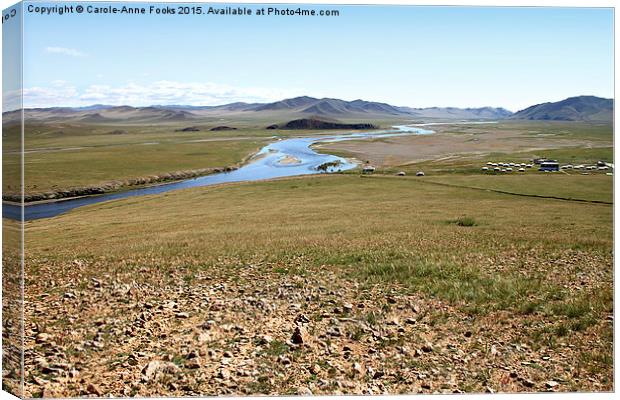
[[583, 108], [335, 107]]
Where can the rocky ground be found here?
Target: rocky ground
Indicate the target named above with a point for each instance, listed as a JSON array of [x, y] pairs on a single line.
[[11, 309], [270, 328]]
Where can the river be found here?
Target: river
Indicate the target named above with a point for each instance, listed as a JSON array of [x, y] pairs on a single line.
[[285, 157]]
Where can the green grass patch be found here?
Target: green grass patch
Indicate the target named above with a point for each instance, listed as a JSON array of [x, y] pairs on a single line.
[[276, 348], [464, 221]]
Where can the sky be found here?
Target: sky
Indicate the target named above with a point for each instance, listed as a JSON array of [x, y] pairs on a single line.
[[402, 55]]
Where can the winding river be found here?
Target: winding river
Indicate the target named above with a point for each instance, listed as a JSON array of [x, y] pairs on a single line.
[[285, 157]]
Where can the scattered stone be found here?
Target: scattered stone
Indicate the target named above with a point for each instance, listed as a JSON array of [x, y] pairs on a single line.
[[427, 347], [155, 368], [41, 363], [208, 324], [223, 373], [192, 354], [92, 389], [242, 348], [43, 338], [304, 391], [265, 339], [357, 368], [302, 319], [315, 369], [300, 335], [551, 384]]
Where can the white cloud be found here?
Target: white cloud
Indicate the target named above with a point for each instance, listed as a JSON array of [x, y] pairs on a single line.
[[60, 93], [64, 51]]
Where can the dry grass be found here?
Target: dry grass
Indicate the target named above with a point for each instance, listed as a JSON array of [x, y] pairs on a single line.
[[528, 271]]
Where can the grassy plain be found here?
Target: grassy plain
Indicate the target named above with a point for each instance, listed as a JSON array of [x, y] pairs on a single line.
[[449, 288], [98, 165], [596, 187]]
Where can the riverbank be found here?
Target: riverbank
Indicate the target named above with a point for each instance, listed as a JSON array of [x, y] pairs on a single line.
[[101, 161], [114, 186], [118, 186], [264, 164]]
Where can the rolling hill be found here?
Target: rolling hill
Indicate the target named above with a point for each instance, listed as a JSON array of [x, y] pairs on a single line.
[[320, 123], [287, 109], [580, 108]]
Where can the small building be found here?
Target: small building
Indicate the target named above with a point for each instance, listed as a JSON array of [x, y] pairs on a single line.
[[401, 173], [549, 166], [419, 173], [368, 169]]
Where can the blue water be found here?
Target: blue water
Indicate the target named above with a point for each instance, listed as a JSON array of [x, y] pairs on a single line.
[[266, 164]]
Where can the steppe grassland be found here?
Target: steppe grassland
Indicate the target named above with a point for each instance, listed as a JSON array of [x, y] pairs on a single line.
[[542, 265]]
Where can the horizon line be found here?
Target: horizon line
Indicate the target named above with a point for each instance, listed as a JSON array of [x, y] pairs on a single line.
[[290, 98]]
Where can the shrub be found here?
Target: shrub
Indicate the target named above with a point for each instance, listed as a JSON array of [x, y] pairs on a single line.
[[464, 221]]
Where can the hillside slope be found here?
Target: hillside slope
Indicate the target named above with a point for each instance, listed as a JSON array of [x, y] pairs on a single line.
[[580, 108]]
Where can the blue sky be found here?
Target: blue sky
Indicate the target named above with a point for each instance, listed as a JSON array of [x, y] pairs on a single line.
[[402, 55]]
